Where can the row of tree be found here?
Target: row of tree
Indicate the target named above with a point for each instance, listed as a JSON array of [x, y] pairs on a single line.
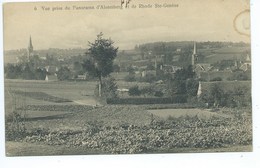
[[24, 71]]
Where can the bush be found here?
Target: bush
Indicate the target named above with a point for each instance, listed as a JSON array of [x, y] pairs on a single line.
[[240, 76], [134, 91], [15, 121], [140, 100], [63, 73], [238, 97], [216, 79], [158, 94], [15, 126], [13, 71], [147, 90], [109, 88]]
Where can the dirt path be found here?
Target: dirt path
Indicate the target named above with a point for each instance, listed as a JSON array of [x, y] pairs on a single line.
[[87, 101]]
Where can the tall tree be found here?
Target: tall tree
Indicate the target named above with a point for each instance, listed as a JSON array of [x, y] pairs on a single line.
[[101, 56]]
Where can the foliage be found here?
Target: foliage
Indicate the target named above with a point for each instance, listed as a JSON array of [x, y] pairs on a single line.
[[40, 74], [184, 82], [148, 90], [151, 100], [185, 57], [216, 96], [192, 87], [13, 71], [239, 97], [101, 54], [109, 88], [239, 75], [184, 73], [77, 69], [181, 133], [216, 79], [64, 73], [158, 93], [150, 66], [15, 122], [27, 70], [134, 91]]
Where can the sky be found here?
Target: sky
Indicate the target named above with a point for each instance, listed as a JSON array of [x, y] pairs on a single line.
[[203, 20]]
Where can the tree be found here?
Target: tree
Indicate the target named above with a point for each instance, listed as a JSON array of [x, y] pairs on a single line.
[[239, 75], [109, 88], [63, 73], [214, 96], [101, 54], [77, 69], [148, 90], [13, 71], [134, 91], [28, 72], [40, 74], [192, 87]]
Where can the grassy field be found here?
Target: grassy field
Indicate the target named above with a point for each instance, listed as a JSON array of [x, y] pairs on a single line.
[[76, 127], [29, 149], [176, 113]]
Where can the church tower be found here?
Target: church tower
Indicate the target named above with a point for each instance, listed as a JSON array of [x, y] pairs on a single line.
[[194, 56], [30, 48]]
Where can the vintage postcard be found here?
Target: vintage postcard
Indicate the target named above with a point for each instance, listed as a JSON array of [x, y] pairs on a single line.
[[127, 77]]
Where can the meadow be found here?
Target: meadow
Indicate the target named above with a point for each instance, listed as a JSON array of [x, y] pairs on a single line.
[[64, 118]]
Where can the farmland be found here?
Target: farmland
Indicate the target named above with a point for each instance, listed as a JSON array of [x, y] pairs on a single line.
[[64, 115]]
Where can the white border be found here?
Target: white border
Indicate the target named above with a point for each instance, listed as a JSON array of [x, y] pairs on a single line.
[[212, 160]]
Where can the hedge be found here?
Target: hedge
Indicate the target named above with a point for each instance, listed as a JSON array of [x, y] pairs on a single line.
[[141, 100]]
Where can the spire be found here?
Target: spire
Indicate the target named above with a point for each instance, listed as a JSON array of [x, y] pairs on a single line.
[[30, 42], [30, 47], [194, 49], [194, 55]]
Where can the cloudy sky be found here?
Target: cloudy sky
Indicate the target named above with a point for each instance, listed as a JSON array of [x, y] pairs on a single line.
[[203, 20]]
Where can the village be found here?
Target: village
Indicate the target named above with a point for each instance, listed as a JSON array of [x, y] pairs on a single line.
[[152, 70]]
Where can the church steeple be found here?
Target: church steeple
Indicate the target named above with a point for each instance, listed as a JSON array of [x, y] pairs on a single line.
[[194, 55], [30, 48], [194, 49]]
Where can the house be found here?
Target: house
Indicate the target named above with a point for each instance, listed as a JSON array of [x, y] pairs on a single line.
[[203, 67]]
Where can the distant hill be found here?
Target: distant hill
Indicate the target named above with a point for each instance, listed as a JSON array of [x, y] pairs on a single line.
[[211, 51], [10, 56], [225, 53]]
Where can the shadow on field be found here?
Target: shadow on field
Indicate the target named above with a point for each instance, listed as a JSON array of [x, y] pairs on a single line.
[[53, 117]]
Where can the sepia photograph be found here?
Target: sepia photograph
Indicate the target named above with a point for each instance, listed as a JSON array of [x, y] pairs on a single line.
[[127, 77]]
